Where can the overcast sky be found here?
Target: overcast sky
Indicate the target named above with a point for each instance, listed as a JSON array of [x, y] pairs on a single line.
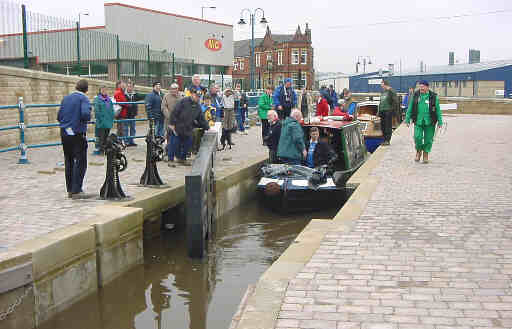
[[340, 29]]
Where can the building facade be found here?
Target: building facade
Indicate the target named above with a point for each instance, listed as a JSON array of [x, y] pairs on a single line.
[[486, 80], [140, 44], [276, 57]]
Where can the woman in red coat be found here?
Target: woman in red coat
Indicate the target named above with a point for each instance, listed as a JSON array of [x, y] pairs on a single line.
[[322, 108]]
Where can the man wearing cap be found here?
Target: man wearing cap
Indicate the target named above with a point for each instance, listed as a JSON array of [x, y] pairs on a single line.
[[285, 99], [186, 116], [168, 105], [388, 104], [425, 113]]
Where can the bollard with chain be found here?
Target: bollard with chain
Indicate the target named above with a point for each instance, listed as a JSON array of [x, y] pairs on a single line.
[[154, 153], [12, 308], [23, 147], [116, 162]]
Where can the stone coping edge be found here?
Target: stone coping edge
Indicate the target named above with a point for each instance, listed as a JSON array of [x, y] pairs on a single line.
[[262, 307], [52, 252]]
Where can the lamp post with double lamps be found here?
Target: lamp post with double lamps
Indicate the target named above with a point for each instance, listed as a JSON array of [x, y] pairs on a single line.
[[364, 59], [263, 22]]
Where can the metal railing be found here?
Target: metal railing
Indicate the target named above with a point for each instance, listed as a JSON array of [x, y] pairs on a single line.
[[21, 126]]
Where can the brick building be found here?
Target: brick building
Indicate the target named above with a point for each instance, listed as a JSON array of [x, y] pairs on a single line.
[[276, 57]]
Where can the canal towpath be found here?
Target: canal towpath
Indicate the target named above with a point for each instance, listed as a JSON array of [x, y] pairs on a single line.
[[417, 246]]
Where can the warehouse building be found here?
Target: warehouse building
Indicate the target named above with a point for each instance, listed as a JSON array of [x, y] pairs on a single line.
[[488, 79], [135, 43]]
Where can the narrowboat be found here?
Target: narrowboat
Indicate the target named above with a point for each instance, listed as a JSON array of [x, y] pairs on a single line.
[[291, 188], [366, 113]]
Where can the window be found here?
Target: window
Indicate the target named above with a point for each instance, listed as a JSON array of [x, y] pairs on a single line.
[[463, 84], [279, 58], [444, 84], [304, 56], [258, 60], [242, 64], [235, 65], [304, 79], [456, 84], [295, 78], [295, 56], [269, 57], [449, 84]]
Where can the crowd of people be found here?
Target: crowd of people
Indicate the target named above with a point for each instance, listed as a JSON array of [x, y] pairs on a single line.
[[282, 131], [182, 117]]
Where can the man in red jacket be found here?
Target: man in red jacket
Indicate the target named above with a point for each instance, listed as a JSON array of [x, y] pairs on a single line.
[[121, 110], [322, 108]]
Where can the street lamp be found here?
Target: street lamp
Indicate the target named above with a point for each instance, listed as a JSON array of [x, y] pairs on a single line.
[[252, 19], [203, 8], [84, 13], [364, 58]]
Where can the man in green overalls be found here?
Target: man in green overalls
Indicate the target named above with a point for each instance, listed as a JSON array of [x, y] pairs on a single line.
[[425, 112]]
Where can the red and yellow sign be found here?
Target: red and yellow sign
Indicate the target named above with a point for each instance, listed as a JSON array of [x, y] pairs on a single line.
[[213, 44]]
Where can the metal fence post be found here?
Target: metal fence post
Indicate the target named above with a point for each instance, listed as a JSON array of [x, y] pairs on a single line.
[[209, 75], [173, 68], [23, 147], [149, 70], [25, 39], [118, 59], [78, 47]]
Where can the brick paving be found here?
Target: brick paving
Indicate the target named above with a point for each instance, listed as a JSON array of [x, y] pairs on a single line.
[[33, 198], [433, 248]]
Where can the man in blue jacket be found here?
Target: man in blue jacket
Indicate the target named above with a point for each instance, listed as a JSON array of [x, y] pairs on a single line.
[[74, 113], [333, 97], [154, 108], [285, 99]]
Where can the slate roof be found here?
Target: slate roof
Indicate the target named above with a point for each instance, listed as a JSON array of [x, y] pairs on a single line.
[[242, 48]]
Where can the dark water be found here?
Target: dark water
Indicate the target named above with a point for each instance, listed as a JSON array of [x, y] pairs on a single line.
[[172, 291]]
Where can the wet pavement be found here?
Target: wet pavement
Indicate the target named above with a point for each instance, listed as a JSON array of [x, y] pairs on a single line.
[[33, 198], [173, 291], [432, 249]]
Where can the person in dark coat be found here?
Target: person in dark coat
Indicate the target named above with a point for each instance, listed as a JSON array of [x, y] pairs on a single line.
[[319, 151], [285, 99], [273, 136], [186, 116], [73, 115], [154, 108], [133, 109]]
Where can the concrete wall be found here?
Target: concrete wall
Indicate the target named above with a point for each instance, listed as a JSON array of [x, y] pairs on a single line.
[[40, 88], [184, 36]]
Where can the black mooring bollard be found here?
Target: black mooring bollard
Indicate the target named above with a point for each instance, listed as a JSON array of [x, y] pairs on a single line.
[[154, 153], [116, 162]]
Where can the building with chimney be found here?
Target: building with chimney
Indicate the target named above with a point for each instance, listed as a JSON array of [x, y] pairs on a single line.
[[276, 57]]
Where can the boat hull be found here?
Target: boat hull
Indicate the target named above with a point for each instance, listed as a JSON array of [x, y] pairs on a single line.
[[292, 198]]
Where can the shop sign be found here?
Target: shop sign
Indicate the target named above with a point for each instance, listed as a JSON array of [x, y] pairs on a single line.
[[213, 44]]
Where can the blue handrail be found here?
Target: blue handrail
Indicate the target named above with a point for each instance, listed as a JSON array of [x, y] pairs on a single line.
[[22, 147]]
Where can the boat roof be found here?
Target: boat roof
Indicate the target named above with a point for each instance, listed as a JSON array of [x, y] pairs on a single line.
[[330, 124], [375, 103]]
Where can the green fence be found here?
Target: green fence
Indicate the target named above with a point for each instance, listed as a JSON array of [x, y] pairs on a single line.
[[58, 45]]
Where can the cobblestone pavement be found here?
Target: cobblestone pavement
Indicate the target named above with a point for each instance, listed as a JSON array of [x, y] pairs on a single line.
[[33, 198], [433, 248]]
